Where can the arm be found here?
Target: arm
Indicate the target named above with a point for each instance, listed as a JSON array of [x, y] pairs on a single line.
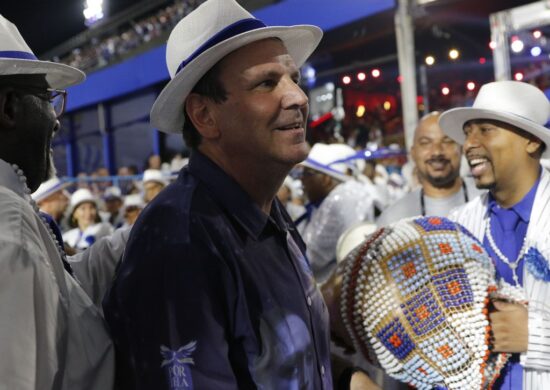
[[95, 267], [28, 330], [524, 330], [538, 348]]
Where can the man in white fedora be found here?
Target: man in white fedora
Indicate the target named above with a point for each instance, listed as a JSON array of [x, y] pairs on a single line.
[[52, 335], [52, 198], [214, 290], [336, 202], [504, 138], [153, 183]]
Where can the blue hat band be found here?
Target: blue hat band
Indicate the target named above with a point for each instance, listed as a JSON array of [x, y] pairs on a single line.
[[230, 31], [325, 167], [20, 55]]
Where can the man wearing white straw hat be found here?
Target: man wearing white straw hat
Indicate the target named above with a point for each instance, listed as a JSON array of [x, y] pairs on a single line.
[[504, 138], [214, 291], [52, 198], [52, 335], [336, 202]]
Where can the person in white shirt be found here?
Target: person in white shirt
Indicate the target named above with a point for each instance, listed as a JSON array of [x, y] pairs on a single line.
[[336, 202], [153, 183], [504, 139], [437, 160], [51, 332], [85, 220]]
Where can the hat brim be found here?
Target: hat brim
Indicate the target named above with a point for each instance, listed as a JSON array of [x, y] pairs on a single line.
[[57, 75], [58, 187], [335, 175], [167, 112], [452, 123]]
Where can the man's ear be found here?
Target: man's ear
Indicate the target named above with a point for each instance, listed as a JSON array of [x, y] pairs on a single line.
[[534, 146], [327, 180], [200, 111], [8, 108]]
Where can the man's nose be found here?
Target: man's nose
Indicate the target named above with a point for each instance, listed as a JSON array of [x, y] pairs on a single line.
[[294, 96], [471, 140]]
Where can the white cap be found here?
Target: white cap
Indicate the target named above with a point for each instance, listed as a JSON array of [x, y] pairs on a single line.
[[134, 200], [154, 175], [322, 157], [48, 188], [112, 193], [80, 196]]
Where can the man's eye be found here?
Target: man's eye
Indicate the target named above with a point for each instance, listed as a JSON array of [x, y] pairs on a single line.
[[267, 83]]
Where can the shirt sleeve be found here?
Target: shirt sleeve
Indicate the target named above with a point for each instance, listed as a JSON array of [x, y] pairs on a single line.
[[538, 349], [95, 267], [29, 325], [171, 312], [322, 236]]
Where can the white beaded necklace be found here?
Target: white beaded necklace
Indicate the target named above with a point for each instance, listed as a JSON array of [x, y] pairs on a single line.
[[512, 265], [23, 179]]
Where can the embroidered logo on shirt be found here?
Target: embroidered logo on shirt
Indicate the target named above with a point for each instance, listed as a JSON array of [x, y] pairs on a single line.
[[176, 364], [537, 264]]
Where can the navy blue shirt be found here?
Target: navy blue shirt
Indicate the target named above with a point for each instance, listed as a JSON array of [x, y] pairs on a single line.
[[213, 293]]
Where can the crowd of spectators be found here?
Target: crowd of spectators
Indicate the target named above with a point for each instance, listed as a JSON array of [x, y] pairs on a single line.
[[129, 37]]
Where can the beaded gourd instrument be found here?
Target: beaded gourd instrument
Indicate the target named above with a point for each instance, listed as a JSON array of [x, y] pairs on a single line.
[[414, 301]]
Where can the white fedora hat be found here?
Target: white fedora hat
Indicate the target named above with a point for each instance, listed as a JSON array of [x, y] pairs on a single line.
[[154, 175], [205, 36], [326, 159], [17, 58], [49, 187], [519, 104], [80, 196]]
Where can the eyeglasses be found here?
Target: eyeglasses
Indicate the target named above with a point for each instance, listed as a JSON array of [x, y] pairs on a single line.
[[57, 97]]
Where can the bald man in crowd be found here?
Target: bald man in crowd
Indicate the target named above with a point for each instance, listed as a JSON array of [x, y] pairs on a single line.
[[437, 160]]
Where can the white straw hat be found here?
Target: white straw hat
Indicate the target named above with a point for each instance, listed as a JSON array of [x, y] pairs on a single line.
[[80, 196], [205, 36], [112, 193], [17, 58], [325, 158], [49, 187], [154, 175], [516, 103], [134, 200]]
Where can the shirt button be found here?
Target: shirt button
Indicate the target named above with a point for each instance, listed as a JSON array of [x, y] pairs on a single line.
[[309, 301], [323, 370]]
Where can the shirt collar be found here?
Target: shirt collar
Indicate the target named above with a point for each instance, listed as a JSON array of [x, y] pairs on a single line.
[[232, 197], [9, 179], [524, 206]]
